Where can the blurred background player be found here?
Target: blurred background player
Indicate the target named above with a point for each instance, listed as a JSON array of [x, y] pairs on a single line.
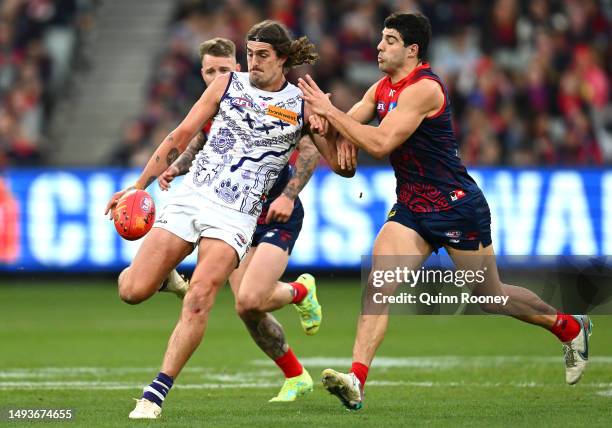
[[278, 228], [259, 119], [438, 203]]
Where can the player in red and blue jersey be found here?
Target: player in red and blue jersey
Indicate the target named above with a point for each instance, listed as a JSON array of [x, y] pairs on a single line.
[[278, 228], [438, 203]]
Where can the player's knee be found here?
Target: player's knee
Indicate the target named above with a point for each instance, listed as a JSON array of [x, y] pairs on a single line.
[[131, 296], [133, 291], [200, 299], [247, 304], [127, 291]]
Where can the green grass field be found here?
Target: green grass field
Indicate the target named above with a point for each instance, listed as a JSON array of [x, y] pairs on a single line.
[[75, 345]]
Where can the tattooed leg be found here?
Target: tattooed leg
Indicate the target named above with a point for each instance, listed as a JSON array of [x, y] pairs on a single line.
[[268, 334]]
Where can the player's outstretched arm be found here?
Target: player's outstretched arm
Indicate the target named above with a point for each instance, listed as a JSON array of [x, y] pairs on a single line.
[[325, 139], [414, 104], [280, 210], [338, 151], [176, 142], [328, 148], [184, 161]]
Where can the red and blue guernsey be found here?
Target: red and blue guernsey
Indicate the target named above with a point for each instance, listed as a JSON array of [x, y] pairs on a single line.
[[429, 173]]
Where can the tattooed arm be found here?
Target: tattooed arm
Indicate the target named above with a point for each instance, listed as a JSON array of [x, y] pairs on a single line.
[[308, 158], [306, 162], [184, 161]]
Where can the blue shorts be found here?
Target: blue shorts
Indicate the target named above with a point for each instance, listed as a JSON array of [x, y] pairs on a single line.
[[463, 227], [283, 235]]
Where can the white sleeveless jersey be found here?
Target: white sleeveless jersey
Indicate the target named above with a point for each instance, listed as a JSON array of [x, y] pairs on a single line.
[[249, 143]]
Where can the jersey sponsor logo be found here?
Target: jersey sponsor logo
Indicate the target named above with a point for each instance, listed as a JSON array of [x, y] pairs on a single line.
[[392, 105], [240, 239], [241, 102], [455, 195], [391, 93], [453, 234], [283, 114]]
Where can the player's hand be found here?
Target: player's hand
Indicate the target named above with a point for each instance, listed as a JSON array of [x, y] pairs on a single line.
[[318, 125], [110, 207], [280, 210], [319, 102], [347, 155], [167, 176]]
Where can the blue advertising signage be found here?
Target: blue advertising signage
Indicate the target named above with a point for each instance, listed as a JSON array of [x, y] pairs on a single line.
[[52, 220]]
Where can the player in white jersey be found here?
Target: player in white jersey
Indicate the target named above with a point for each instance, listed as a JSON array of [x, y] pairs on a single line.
[[278, 227], [258, 120]]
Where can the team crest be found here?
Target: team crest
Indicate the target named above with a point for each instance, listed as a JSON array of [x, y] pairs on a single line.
[[222, 141]]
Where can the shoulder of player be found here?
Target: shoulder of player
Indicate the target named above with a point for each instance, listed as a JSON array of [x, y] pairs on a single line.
[[370, 94], [426, 93], [218, 86]]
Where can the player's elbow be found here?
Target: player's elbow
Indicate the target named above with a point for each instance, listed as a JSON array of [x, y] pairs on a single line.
[[180, 137], [383, 148], [379, 152], [347, 173], [343, 172]]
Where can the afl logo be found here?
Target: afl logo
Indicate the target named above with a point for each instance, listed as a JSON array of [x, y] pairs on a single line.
[[146, 204], [241, 102]]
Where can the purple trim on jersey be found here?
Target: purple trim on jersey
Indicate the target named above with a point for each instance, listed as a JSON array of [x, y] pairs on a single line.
[[229, 82]]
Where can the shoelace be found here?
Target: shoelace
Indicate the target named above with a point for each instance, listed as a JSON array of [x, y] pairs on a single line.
[[570, 356]]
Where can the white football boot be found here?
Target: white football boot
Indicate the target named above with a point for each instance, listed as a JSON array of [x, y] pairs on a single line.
[[577, 350], [145, 409], [175, 283], [346, 387]]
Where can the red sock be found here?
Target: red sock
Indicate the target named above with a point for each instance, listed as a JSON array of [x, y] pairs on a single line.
[[361, 372], [565, 327], [289, 364], [299, 292]]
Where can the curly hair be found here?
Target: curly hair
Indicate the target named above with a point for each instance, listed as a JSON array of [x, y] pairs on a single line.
[[298, 52]]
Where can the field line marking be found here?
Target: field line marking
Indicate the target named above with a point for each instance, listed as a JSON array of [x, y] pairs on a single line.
[[94, 385]]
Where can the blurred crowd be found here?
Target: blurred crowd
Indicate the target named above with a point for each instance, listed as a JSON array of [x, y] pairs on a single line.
[[529, 80], [38, 43]]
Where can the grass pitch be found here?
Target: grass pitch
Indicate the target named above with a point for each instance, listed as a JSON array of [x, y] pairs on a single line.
[[75, 345]]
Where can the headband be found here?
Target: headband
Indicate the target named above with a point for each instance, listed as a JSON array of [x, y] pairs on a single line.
[[262, 39]]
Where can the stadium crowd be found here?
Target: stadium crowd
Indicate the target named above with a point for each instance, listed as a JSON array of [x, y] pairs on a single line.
[[529, 80], [39, 40]]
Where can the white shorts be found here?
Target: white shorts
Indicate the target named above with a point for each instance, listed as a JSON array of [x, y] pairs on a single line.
[[191, 216]]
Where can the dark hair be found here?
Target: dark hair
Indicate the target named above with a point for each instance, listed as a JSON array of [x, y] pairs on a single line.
[[298, 52], [218, 47], [414, 29]]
